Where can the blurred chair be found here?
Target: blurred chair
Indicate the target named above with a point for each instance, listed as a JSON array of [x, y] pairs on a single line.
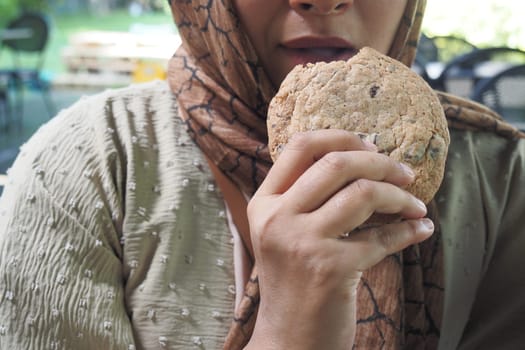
[[434, 52], [427, 50], [505, 93], [460, 75], [3, 182], [28, 54], [451, 46], [426, 54], [4, 107]]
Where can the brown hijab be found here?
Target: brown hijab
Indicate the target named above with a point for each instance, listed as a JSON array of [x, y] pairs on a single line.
[[223, 94]]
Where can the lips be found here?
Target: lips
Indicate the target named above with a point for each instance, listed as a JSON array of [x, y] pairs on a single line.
[[316, 49]]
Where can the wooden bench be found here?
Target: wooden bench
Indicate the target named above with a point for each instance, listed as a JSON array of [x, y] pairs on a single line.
[[115, 58]]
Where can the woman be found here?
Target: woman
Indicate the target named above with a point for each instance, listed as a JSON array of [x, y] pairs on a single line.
[[117, 225]]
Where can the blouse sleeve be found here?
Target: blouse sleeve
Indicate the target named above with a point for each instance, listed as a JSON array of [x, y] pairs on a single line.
[[61, 281]]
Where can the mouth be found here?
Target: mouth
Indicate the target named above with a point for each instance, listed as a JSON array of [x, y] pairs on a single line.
[[314, 49]]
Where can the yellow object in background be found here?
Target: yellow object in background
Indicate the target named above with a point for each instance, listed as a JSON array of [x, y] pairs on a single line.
[[148, 71]]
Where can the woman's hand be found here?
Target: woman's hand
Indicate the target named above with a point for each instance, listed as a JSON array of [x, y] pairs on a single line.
[[324, 184]]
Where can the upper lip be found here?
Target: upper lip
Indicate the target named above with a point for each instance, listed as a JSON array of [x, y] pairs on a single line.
[[307, 42]]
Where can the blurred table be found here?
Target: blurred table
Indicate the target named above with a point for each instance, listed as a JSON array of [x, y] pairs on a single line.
[[480, 71], [461, 81], [107, 58]]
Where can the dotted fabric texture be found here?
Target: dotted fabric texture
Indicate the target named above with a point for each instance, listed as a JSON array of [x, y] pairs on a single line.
[[118, 237]]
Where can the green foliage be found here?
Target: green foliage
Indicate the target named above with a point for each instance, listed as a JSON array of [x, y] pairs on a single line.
[[483, 23], [10, 8]]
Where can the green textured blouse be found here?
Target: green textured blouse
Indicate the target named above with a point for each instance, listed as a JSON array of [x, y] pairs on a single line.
[[113, 235]]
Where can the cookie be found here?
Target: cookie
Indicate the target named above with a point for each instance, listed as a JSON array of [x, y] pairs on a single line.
[[375, 96]]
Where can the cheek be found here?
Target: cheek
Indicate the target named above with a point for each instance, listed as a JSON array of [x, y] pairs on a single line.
[[260, 21], [255, 19]]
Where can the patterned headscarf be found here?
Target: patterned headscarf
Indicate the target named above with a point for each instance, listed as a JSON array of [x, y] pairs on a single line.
[[223, 94]]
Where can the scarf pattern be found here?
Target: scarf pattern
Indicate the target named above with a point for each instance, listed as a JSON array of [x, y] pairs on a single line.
[[223, 94]]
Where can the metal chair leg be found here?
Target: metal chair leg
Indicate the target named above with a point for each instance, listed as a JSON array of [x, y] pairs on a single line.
[[19, 101], [50, 104]]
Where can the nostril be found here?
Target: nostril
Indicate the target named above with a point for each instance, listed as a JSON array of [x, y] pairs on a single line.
[[333, 7], [304, 6], [340, 6]]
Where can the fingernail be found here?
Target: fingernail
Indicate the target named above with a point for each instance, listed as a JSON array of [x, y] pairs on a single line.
[[421, 205], [407, 170], [427, 224]]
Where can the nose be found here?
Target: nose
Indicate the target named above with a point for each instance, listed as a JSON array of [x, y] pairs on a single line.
[[320, 7]]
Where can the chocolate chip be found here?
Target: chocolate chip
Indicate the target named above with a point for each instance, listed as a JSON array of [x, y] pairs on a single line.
[[373, 91]]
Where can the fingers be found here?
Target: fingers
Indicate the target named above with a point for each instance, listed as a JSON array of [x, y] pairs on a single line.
[[355, 203], [371, 245], [337, 169], [303, 150]]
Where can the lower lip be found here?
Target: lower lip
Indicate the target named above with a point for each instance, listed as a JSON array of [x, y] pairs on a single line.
[[303, 56]]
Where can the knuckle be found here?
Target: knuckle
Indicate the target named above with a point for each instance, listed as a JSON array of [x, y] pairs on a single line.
[[364, 189], [299, 141], [396, 237], [333, 162], [262, 234], [386, 163], [267, 225], [383, 238], [262, 219]]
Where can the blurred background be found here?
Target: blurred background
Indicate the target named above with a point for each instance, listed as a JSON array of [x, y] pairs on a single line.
[[54, 52]]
